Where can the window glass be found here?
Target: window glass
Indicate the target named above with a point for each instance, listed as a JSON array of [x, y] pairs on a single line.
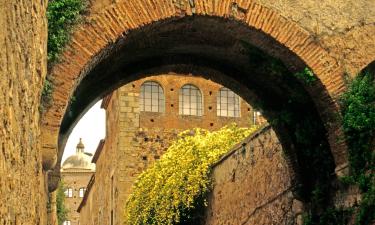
[[151, 97], [68, 192], [82, 192], [228, 103], [190, 101]]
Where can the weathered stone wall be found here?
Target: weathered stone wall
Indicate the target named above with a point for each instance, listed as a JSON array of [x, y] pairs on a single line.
[[344, 28], [22, 70], [252, 185]]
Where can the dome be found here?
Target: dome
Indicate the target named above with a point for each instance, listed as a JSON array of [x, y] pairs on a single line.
[[80, 160]]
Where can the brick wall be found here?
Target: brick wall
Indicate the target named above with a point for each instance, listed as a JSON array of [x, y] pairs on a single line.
[[337, 24], [75, 179], [284, 30], [135, 140], [23, 195]]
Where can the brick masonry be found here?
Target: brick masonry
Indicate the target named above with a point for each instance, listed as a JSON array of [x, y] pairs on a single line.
[[313, 31], [135, 140], [111, 21]]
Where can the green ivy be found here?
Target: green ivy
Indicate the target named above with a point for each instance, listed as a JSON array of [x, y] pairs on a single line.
[[305, 130], [358, 105], [331, 216], [62, 211], [46, 98], [62, 15], [307, 76], [358, 110]]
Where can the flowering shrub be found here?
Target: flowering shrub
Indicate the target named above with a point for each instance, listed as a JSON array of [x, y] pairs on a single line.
[[176, 184]]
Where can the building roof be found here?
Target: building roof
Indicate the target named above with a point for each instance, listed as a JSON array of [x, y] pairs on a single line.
[[98, 151], [81, 160]]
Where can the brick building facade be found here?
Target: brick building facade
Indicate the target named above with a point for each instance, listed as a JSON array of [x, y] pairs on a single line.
[[143, 117], [75, 173]]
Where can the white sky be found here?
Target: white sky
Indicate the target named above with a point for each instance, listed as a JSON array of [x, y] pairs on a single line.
[[91, 128]]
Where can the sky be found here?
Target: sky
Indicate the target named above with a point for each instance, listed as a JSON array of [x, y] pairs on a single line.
[[91, 128]]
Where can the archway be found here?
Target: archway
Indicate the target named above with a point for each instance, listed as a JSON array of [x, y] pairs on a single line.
[[247, 47]]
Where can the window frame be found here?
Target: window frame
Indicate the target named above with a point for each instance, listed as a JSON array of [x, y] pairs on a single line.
[[83, 192], [228, 103], [195, 98], [68, 192], [158, 97]]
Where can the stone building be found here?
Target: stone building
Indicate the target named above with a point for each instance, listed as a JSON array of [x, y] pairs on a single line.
[[75, 173], [143, 117], [334, 39]]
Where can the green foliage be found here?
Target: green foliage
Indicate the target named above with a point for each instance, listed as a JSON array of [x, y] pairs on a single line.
[[358, 105], [307, 76], [46, 98], [62, 15], [366, 209], [304, 131], [174, 190], [60, 203], [358, 110], [330, 216]]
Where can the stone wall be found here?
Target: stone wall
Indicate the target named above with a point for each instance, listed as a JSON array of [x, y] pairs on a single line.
[[338, 25], [23, 195], [252, 185]]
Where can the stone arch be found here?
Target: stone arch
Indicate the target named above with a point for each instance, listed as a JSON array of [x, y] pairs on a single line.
[[94, 42]]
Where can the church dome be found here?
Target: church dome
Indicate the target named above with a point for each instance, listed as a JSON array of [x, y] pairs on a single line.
[[80, 160]]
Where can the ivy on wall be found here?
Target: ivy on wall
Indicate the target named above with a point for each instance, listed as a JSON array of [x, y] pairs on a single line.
[[62, 211], [62, 15], [173, 191], [358, 110]]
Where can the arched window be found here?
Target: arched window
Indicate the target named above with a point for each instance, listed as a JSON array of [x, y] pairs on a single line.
[[151, 98], [190, 101], [68, 192], [67, 222], [82, 192], [228, 103]]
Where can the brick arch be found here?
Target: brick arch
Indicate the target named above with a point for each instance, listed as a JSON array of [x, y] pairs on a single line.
[[370, 67], [93, 41]]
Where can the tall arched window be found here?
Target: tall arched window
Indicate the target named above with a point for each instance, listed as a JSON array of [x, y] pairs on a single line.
[[190, 100], [151, 98], [228, 103]]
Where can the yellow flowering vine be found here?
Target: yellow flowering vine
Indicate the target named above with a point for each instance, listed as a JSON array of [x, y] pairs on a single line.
[[179, 181]]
